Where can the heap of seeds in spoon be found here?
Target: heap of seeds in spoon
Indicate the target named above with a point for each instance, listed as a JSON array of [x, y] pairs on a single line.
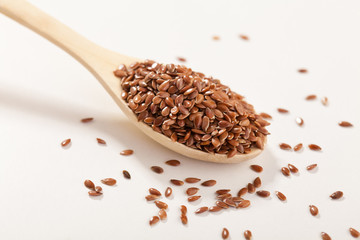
[[191, 109]]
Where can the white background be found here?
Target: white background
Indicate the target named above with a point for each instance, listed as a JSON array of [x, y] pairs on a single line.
[[44, 93]]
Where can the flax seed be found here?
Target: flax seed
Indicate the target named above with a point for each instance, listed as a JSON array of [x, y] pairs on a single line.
[[225, 233], [98, 189], [243, 204], [193, 198], [292, 168], [302, 70], [177, 182], [337, 195], [154, 220], [89, 184], [127, 152], [325, 236], [192, 180], [221, 204], [311, 167], [256, 168], [313, 210], [299, 121], [192, 191], [209, 183], [229, 202], [181, 59], [94, 193], [244, 37], [285, 171], [154, 191], [215, 209], [354, 232], [157, 169], [65, 142], [162, 214], [126, 174], [201, 210], [183, 209], [310, 97], [285, 146], [248, 235], [265, 115], [173, 162], [282, 110], [314, 147], [298, 147], [100, 141], [161, 204], [222, 191], [263, 193], [216, 38], [151, 197], [280, 196], [250, 188], [345, 124], [85, 120], [184, 219], [242, 192], [257, 182], [108, 181]]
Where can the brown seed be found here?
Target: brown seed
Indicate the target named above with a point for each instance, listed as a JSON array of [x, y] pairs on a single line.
[[345, 124], [244, 37], [154, 191], [354, 232], [157, 169], [229, 202], [173, 162], [298, 147], [325, 101], [282, 110], [161, 204], [222, 191], [285, 146], [311, 167], [98, 189], [168, 192], [292, 168], [280, 196], [65, 142], [126, 174], [89, 184], [325, 236], [209, 183], [181, 59], [215, 209], [256, 168], [154, 220], [85, 120], [263, 193], [243, 204], [216, 38], [225, 233], [257, 182], [250, 188], [108, 181], [302, 70], [248, 235], [192, 191], [299, 121], [184, 219], [237, 199], [314, 147], [100, 141], [201, 210], [337, 195], [126, 152], [221, 204], [285, 171], [313, 210], [162, 214], [242, 192], [94, 193], [151, 197], [223, 196], [183, 209], [311, 97], [177, 182], [193, 198], [192, 180], [265, 115]]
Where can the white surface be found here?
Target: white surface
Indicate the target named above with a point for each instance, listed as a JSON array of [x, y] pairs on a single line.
[[44, 93]]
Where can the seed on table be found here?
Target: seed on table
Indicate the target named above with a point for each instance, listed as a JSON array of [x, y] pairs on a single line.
[[65, 142], [154, 191], [229, 202], [345, 124], [237, 199], [192, 191], [225, 233], [251, 188], [193, 198], [298, 147], [292, 168], [216, 38], [265, 115], [98, 189], [181, 59], [299, 121], [244, 37], [354, 232], [222, 191], [285, 171], [337, 195], [215, 209], [257, 182], [223, 196], [127, 152], [161, 204], [313, 210], [314, 147], [311, 97], [280, 196], [183, 209], [201, 210], [94, 193], [256, 168], [177, 182], [108, 181], [126, 174], [282, 110], [325, 236], [154, 220], [168, 192], [302, 70], [285, 146], [242, 192], [311, 167], [325, 101], [173, 162], [192, 180], [100, 141], [248, 235], [209, 183], [89, 184], [157, 169], [151, 197], [162, 214], [221, 204], [184, 219], [263, 193], [243, 204], [85, 120]]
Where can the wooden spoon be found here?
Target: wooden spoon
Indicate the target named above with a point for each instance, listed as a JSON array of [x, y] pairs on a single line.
[[101, 63]]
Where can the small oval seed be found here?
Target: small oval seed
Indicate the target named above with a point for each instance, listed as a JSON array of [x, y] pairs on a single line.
[[151, 197], [183, 209], [154, 220], [345, 124], [285, 171], [280, 196], [225, 233], [354, 232], [161, 204], [127, 152], [173, 162], [193, 198], [157, 169], [242, 192], [94, 193], [248, 235], [215, 209], [256, 168], [325, 236], [222, 191], [201, 210], [292, 168], [285, 146], [221, 204], [89, 184], [168, 192], [313, 210], [192, 191], [100, 141], [298, 147], [243, 204], [65, 142], [337, 195], [177, 182], [263, 193], [314, 147], [126, 174], [209, 183], [108, 181], [311, 167], [257, 182], [162, 214], [192, 180], [154, 191], [251, 188]]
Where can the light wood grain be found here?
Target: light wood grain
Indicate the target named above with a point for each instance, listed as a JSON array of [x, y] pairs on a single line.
[[101, 63]]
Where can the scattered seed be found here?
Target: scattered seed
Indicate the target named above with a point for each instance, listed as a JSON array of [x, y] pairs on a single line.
[[184, 219], [209, 183], [154, 220], [337, 195], [98, 189], [222, 191], [265, 115], [173, 162], [151, 197], [280, 195], [311, 97], [225, 233], [221, 204], [85, 120], [285, 171], [250, 188], [162, 214], [127, 152], [192, 180], [285, 146], [256, 168], [242, 192], [183, 209], [65, 142], [325, 101], [154, 191], [298, 147], [313, 210], [168, 192], [181, 59], [193, 198], [311, 167], [314, 147], [89, 184], [223, 196], [257, 182], [302, 70], [292, 168], [244, 37], [237, 199], [192, 191], [354, 232], [201, 210], [94, 193], [229, 202], [282, 110], [161, 204], [345, 124], [299, 121], [216, 38], [325, 236], [126, 174], [100, 141], [215, 209], [248, 235], [157, 169], [243, 204], [263, 193], [108, 181], [177, 182]]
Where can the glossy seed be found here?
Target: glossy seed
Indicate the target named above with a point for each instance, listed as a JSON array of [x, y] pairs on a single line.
[[162, 214], [311, 97], [98, 189], [257, 182], [298, 147], [285, 171], [215, 209], [354, 232], [263, 193], [311, 167], [65, 142], [345, 124], [89, 184], [177, 182], [193, 198], [154, 191], [282, 110], [314, 147], [299, 121], [157, 169], [151, 197], [243, 204], [201, 210], [221, 204], [94, 193], [292, 168], [280, 196], [161, 204], [256, 168], [108, 181], [250, 188], [126, 152], [223, 196], [184, 219], [229, 202], [302, 70], [285, 146], [183, 209], [126, 174], [85, 120], [248, 235], [192, 191], [313, 210], [181, 59], [242, 192], [192, 180], [225, 233], [265, 115], [209, 183], [100, 141], [168, 192], [154, 220], [325, 236], [337, 195], [222, 191], [173, 162]]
